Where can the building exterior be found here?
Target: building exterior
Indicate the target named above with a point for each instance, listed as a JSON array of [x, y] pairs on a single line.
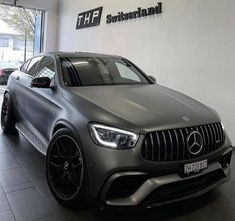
[[12, 44]]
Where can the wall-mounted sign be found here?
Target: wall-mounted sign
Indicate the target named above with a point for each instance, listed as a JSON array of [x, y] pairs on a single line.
[[89, 18], [140, 12], [92, 18]]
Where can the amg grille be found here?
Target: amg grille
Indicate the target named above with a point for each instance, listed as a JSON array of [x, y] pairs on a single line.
[[171, 145]]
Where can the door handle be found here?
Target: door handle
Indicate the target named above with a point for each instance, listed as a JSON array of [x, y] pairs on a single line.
[[18, 78]]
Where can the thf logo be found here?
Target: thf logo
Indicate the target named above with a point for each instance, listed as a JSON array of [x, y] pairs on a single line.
[[89, 18]]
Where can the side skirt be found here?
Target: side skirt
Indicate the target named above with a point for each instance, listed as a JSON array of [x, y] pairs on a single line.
[[34, 140]]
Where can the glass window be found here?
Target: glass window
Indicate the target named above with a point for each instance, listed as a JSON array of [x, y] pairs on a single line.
[[24, 66], [32, 67], [126, 72], [46, 68], [4, 42], [78, 71], [18, 44]]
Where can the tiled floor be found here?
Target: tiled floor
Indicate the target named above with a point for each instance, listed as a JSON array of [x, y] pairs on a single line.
[[24, 195]]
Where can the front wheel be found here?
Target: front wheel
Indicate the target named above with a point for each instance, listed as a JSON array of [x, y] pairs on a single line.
[[65, 168], [8, 119]]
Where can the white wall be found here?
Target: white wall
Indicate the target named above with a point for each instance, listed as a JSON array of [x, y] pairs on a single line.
[[51, 19], [190, 47]]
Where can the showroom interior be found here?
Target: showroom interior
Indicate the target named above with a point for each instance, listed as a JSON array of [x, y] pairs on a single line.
[[186, 45]]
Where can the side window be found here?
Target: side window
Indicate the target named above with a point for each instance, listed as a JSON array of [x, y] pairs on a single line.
[[32, 67], [24, 66], [46, 68], [126, 72]]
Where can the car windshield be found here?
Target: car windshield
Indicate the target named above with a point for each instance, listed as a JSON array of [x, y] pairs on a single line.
[[83, 71]]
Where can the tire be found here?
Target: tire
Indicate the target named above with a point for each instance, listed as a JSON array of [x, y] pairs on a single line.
[[8, 119], [66, 170]]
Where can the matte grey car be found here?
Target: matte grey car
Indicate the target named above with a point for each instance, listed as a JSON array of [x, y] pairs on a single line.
[[111, 135]]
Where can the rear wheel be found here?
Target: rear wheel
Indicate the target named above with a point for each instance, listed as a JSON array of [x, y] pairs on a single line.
[[66, 172], [8, 119]]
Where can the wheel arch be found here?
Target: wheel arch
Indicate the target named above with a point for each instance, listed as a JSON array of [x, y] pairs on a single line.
[[7, 91], [64, 124]]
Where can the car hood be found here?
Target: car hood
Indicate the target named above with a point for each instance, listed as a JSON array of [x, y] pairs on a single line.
[[148, 107]]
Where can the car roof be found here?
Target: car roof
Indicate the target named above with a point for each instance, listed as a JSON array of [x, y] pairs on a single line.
[[82, 54]]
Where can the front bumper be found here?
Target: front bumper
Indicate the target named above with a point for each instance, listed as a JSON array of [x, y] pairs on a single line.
[[150, 191]]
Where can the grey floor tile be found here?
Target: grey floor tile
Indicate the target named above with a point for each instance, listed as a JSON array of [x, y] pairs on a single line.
[[8, 161], [27, 205], [16, 187], [63, 214], [4, 205], [42, 188], [49, 218], [7, 216], [3, 147], [33, 164], [19, 146], [37, 176], [13, 177]]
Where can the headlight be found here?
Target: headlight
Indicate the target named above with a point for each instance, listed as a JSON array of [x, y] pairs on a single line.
[[112, 137]]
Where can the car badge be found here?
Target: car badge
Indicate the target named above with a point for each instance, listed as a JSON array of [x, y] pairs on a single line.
[[185, 118], [194, 142]]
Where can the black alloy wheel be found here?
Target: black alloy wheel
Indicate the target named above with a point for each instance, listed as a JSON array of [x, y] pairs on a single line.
[[65, 170], [5, 111], [7, 116]]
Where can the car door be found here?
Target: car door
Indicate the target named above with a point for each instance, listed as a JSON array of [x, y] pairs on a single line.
[[22, 81], [38, 101]]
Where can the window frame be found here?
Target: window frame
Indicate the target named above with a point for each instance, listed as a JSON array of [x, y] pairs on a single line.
[[29, 61], [36, 68], [39, 65], [25, 63]]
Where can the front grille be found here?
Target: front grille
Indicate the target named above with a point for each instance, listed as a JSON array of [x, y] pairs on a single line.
[[171, 145]]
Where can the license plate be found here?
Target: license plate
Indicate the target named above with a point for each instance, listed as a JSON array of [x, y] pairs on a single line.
[[195, 167]]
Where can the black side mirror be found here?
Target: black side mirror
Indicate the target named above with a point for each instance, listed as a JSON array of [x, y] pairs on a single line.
[[153, 79], [41, 82]]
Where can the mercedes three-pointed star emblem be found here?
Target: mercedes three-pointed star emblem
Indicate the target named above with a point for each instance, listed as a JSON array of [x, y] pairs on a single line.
[[194, 142]]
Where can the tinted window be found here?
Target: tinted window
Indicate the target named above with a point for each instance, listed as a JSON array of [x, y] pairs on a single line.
[[46, 68], [32, 67], [100, 71]]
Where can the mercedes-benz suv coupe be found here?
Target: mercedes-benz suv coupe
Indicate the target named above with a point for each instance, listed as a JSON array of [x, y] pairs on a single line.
[[111, 135]]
